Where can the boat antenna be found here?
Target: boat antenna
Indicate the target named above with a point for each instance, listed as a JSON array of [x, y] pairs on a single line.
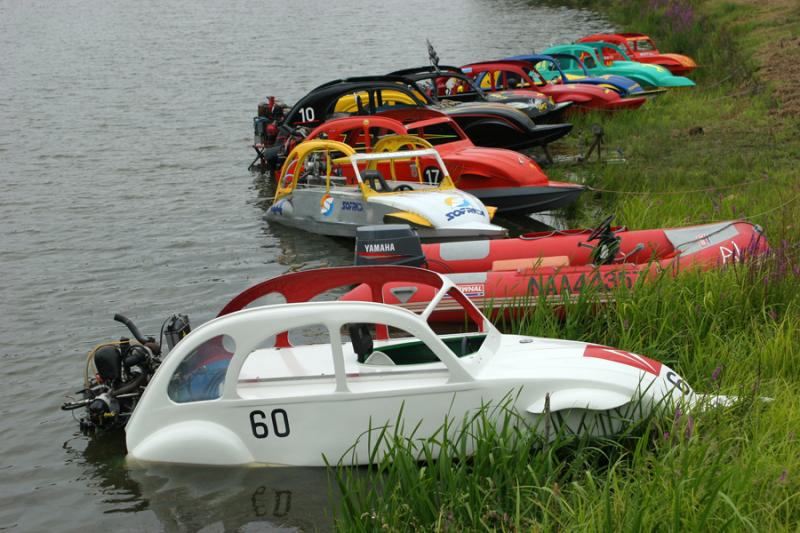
[[432, 55]]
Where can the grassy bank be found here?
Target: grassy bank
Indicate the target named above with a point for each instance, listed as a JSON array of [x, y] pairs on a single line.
[[727, 149]]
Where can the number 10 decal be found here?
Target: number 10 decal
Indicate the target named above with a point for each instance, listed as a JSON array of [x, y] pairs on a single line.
[[260, 426], [307, 114]]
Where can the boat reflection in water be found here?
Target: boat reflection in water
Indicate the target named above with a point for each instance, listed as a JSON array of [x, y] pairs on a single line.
[[228, 499], [190, 498]]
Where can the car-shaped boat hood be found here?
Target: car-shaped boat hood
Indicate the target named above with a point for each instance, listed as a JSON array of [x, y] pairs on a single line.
[[440, 208]]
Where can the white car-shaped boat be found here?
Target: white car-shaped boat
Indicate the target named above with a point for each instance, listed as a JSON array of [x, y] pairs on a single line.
[[315, 193], [240, 389]]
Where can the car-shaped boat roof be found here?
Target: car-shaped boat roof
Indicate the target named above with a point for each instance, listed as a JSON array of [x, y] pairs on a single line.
[[298, 287], [442, 71], [537, 58], [644, 73], [622, 84], [426, 71], [323, 97]]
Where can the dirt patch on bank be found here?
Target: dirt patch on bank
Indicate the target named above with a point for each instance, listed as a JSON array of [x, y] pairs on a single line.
[[777, 25]]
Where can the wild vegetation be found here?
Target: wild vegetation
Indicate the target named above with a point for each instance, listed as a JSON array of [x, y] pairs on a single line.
[[727, 149]]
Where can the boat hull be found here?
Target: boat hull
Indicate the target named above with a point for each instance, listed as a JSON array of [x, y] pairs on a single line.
[[514, 274], [529, 199], [488, 132]]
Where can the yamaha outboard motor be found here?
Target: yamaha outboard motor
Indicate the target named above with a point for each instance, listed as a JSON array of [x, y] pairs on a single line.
[[388, 244]]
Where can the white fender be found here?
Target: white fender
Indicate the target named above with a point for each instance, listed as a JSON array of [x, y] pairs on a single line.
[[194, 442], [593, 399]]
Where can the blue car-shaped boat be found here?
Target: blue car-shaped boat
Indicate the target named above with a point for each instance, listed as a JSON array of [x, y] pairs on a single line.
[[549, 65]]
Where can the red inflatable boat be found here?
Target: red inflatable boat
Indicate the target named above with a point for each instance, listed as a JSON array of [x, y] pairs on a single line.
[[512, 273]]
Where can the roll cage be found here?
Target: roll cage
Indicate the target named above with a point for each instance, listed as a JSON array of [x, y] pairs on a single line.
[[334, 154]]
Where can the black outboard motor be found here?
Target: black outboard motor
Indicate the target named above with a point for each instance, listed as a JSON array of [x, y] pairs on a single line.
[[176, 328], [123, 370], [388, 244], [265, 125]]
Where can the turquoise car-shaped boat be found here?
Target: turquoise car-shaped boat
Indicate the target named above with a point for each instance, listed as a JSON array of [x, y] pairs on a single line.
[[598, 64]]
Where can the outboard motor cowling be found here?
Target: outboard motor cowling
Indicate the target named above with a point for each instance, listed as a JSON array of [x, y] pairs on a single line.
[[388, 244], [108, 361], [265, 125], [176, 328]]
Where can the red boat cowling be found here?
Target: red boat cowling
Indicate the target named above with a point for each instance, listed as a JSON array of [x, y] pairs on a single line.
[[514, 273]]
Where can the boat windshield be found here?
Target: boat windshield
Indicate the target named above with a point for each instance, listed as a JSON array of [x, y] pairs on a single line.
[[642, 45], [201, 374], [436, 134]]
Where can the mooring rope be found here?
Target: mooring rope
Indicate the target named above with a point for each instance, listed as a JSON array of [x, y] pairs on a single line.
[[687, 191], [770, 210]]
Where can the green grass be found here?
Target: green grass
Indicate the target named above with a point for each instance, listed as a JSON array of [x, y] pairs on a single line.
[[736, 469], [734, 331]]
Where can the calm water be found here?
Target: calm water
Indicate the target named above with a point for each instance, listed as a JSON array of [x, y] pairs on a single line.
[[124, 142]]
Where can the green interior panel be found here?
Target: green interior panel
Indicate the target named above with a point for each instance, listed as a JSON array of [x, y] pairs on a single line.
[[417, 352]]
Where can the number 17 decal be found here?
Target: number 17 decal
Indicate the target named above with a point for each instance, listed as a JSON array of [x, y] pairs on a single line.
[[432, 175]]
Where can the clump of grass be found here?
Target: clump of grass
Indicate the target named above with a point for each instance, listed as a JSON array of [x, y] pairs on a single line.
[[679, 472], [733, 331]]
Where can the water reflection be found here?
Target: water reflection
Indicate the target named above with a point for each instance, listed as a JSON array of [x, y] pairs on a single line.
[[286, 498], [298, 249], [103, 462], [190, 498]]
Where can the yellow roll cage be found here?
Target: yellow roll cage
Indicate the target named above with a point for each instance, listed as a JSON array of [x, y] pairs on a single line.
[[391, 144]]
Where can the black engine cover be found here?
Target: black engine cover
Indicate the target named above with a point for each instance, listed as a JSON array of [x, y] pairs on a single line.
[[108, 361]]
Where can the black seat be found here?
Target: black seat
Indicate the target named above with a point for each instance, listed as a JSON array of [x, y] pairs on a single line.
[[361, 339], [374, 177]]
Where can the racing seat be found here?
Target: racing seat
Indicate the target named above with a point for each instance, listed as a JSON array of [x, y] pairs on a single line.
[[361, 339], [374, 178]]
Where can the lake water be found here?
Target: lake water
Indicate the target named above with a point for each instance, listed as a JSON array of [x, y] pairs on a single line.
[[125, 131]]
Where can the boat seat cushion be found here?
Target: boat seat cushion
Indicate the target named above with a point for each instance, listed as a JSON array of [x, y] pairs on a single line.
[[531, 263]]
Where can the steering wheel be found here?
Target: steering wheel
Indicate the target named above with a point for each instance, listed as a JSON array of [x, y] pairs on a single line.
[[601, 228], [403, 187]]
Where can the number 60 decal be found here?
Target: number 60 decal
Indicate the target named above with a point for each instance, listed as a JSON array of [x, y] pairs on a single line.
[[260, 426]]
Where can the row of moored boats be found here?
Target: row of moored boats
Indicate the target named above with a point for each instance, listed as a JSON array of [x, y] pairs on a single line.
[[420, 154]]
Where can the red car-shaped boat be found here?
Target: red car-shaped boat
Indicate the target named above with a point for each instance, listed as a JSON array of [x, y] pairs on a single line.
[[641, 48], [501, 178], [518, 76]]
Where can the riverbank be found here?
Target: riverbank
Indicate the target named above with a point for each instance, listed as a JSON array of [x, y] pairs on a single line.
[[726, 149]]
